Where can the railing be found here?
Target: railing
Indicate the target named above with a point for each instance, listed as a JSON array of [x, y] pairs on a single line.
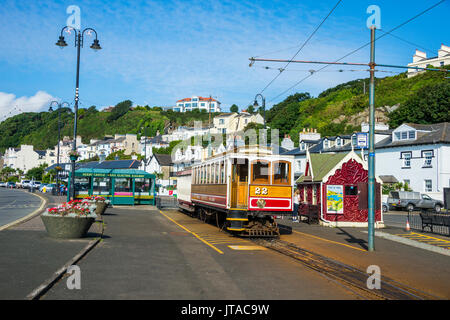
[[166, 202], [430, 221]]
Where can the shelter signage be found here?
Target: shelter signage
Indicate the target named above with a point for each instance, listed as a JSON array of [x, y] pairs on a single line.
[[335, 199]]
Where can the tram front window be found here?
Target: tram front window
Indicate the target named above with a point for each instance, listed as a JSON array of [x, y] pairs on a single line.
[[281, 173], [260, 172], [102, 186]]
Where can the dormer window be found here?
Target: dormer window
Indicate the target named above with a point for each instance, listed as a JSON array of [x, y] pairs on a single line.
[[326, 144], [405, 135], [302, 146], [338, 142]]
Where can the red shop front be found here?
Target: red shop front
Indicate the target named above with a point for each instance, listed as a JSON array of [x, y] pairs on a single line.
[[335, 186]]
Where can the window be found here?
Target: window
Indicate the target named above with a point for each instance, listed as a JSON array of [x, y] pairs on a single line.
[[142, 185], [411, 134], [397, 136], [299, 165], [222, 173], [82, 184], [404, 135], [260, 172], [428, 155], [314, 195], [407, 182], [122, 185], [102, 185], [354, 140], [326, 144], [428, 185], [194, 105], [442, 63], [406, 159], [338, 142], [221, 121], [281, 173], [202, 104], [351, 190]]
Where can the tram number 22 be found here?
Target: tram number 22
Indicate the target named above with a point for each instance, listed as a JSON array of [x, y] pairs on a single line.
[[259, 190]]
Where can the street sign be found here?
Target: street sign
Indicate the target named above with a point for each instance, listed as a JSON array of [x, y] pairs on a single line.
[[362, 139]]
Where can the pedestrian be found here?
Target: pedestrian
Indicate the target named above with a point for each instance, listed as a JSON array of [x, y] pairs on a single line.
[[296, 205]]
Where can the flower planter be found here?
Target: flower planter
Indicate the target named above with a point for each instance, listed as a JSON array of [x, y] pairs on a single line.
[[101, 208], [67, 227]]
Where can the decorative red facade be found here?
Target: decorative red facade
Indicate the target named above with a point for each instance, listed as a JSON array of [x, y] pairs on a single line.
[[350, 174]]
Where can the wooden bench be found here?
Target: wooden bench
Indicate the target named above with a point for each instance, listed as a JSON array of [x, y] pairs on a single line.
[[310, 211]]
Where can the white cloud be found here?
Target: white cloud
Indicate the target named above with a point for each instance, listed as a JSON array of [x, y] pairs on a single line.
[[10, 105]]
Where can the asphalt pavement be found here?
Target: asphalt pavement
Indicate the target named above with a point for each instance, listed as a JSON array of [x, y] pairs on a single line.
[[16, 204], [149, 255]]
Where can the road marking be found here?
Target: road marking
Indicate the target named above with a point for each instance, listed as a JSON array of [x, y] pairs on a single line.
[[339, 243], [247, 248], [193, 233]]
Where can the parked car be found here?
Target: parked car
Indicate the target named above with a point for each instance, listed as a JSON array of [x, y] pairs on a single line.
[[11, 184], [23, 184], [48, 187], [36, 184], [3, 184], [410, 201]]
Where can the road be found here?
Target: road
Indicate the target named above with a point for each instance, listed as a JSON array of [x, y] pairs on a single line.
[[15, 204], [147, 254]]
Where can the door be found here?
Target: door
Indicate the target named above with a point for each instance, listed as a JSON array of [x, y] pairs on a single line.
[[239, 184]]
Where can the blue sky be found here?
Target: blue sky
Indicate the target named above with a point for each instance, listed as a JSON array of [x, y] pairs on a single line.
[[156, 52]]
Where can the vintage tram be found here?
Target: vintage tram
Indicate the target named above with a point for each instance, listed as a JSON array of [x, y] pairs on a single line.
[[244, 187]]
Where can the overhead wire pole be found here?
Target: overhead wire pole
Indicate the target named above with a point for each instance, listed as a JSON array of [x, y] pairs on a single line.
[[371, 185]]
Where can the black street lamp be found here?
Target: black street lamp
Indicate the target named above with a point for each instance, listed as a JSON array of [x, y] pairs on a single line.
[[79, 35], [144, 130], [59, 105], [255, 104]]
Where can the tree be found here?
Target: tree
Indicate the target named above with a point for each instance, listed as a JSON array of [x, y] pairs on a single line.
[[119, 110], [251, 109], [36, 172], [431, 104], [234, 108]]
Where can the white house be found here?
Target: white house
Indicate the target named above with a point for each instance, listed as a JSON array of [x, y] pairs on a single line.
[[197, 102], [229, 123], [24, 158], [184, 133], [420, 60], [419, 155]]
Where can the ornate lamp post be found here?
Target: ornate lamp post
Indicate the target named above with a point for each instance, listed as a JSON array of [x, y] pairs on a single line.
[[59, 105], [79, 35], [255, 104]]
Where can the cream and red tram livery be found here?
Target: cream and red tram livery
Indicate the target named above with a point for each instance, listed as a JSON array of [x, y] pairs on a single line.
[[244, 187]]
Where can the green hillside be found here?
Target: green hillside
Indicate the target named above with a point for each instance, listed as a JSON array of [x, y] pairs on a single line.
[[424, 98], [41, 129]]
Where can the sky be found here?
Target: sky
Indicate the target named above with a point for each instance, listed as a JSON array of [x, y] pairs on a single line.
[[157, 52]]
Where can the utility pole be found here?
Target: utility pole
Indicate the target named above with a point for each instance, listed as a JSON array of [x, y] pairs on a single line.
[[371, 185]]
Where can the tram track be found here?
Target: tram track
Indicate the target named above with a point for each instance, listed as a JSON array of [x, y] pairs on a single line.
[[352, 278]]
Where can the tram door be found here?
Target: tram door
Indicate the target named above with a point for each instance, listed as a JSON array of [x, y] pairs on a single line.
[[239, 183]]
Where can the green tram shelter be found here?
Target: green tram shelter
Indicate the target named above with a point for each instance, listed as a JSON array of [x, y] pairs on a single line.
[[120, 186]]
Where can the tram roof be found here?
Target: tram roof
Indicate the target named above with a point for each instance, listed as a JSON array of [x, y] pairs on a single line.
[[124, 173]]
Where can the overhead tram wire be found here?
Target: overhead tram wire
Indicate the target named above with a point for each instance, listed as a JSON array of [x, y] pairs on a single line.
[[363, 46], [303, 45]]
